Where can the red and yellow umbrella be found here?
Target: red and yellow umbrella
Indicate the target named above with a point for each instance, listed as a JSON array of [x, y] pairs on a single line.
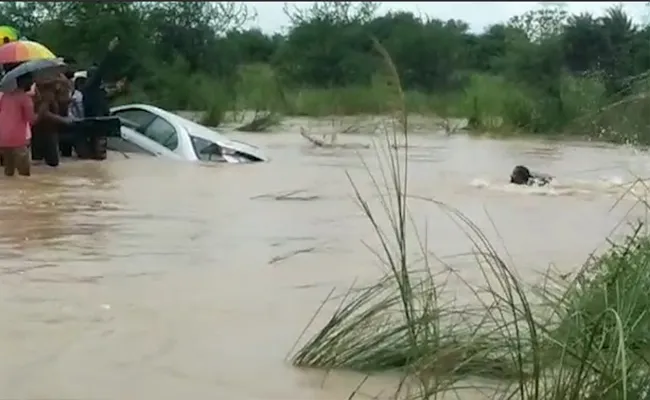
[[24, 50]]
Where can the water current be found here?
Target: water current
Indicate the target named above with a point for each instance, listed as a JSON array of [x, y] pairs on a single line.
[[139, 278]]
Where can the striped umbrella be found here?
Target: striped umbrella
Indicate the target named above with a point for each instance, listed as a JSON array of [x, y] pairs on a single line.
[[24, 50], [8, 34]]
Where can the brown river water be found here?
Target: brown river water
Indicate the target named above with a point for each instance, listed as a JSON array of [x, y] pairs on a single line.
[[137, 278]]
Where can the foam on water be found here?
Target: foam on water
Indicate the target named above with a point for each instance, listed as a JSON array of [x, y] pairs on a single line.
[[606, 185]]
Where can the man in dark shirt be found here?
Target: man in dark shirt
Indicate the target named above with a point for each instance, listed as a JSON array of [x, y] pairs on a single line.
[[95, 104], [95, 98], [45, 130], [521, 175]]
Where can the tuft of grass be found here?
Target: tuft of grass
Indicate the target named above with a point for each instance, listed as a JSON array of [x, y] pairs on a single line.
[[259, 89], [568, 339], [214, 114]]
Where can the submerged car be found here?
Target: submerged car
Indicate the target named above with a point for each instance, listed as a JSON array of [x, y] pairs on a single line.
[[152, 130]]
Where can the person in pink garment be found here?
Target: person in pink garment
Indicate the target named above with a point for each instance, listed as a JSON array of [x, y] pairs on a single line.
[[16, 116], [31, 92]]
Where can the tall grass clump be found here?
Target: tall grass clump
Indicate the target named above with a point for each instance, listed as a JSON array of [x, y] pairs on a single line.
[[258, 89], [492, 101], [576, 339], [624, 120], [354, 100], [344, 101], [496, 104]]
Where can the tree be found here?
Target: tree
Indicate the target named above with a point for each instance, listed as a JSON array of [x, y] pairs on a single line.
[[176, 53]]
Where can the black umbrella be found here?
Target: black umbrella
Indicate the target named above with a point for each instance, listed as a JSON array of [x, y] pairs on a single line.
[[38, 68]]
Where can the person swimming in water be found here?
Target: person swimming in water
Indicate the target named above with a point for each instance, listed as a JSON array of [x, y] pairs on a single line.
[[521, 175]]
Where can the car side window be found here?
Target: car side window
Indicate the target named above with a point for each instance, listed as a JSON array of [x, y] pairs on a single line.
[[163, 133], [140, 117]]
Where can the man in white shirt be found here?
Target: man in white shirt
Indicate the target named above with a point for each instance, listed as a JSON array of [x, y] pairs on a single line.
[[76, 108]]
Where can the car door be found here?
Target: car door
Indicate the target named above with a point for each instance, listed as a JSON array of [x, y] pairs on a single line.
[[121, 145], [137, 139], [148, 131], [162, 132]]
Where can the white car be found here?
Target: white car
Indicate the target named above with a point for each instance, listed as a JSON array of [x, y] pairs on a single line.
[[149, 129]]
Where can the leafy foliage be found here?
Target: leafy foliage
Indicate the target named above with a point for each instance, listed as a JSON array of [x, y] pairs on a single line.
[[544, 58]]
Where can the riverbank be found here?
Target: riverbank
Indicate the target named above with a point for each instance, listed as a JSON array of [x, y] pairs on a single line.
[[489, 105], [345, 126]]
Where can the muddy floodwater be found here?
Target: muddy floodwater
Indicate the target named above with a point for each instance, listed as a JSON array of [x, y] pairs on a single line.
[[138, 278]]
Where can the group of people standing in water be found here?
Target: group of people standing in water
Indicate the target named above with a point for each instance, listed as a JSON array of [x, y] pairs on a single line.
[[39, 119]]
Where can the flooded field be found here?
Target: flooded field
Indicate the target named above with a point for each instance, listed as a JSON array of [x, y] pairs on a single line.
[[141, 278]]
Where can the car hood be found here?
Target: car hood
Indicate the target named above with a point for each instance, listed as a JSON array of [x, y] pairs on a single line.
[[208, 134]]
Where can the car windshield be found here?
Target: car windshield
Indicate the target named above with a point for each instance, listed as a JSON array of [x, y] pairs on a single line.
[[206, 150]]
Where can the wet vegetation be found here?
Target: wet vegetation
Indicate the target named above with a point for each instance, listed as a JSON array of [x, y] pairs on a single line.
[[577, 336], [542, 72]]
